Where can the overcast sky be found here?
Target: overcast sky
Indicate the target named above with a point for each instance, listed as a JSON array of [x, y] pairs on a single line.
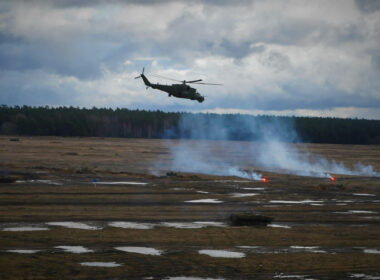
[[311, 58]]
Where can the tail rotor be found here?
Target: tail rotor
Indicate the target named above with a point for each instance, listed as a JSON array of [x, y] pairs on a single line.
[[140, 74]]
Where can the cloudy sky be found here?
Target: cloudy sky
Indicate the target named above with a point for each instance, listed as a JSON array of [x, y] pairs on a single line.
[[312, 58]]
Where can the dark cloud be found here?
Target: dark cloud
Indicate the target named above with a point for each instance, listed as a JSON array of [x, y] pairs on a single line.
[[368, 6], [232, 49], [55, 59], [375, 58], [32, 88], [275, 60], [15, 57], [13, 53]]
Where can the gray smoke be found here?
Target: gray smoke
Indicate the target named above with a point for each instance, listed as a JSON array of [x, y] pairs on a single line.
[[271, 151], [197, 157], [280, 157]]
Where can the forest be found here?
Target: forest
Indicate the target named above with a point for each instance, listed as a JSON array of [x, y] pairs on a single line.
[[106, 122]]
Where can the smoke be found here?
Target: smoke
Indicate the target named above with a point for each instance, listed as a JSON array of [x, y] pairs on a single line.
[[279, 157], [270, 148], [198, 157]]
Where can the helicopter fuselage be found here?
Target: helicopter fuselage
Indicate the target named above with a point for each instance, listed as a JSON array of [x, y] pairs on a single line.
[[177, 90]]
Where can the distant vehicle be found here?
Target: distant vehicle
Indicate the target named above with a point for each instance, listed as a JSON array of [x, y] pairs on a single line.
[[177, 90]]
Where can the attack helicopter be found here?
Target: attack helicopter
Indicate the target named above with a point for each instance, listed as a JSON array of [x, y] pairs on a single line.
[[182, 90]]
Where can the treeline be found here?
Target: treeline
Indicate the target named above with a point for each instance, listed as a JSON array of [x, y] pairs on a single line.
[[102, 122]]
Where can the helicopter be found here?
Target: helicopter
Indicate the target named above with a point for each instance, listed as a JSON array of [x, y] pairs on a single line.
[[182, 90]]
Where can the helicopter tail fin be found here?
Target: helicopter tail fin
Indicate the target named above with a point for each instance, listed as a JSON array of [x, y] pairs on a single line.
[[146, 81]]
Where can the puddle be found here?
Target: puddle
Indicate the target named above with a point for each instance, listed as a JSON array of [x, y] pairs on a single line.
[[243, 194], [364, 194], [371, 251], [202, 192], [312, 249], [254, 189], [131, 225], [140, 250], [193, 224], [289, 276], [356, 212], [307, 249], [278, 226], [284, 250], [248, 247], [181, 225], [121, 183], [211, 224], [75, 249], [101, 264], [49, 182], [75, 225], [306, 201], [25, 228], [364, 276], [182, 189], [221, 254], [23, 251], [362, 212], [207, 200], [264, 250], [190, 278]]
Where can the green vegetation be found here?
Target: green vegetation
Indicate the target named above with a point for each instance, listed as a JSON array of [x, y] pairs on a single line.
[[102, 122]]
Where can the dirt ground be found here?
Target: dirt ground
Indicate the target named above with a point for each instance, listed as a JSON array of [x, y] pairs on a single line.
[[321, 229]]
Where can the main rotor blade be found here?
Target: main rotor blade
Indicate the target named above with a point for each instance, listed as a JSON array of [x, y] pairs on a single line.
[[188, 82], [208, 84], [166, 78], [137, 77]]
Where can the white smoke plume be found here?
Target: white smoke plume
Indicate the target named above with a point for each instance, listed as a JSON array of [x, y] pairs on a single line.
[[195, 157], [280, 157], [273, 153]]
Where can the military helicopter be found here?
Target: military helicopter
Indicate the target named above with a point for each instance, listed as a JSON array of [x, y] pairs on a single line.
[[177, 90]]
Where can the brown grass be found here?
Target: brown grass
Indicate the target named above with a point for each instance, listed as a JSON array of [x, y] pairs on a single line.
[[75, 162]]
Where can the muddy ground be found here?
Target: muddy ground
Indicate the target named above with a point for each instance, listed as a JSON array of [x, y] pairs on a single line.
[[321, 229]]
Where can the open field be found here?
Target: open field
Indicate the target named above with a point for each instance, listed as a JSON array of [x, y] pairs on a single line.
[[321, 229]]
